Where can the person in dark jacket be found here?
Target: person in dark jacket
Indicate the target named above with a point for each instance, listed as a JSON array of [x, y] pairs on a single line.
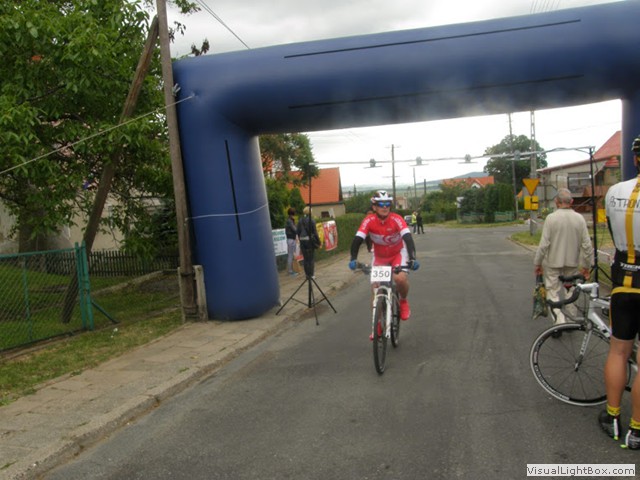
[[309, 241], [420, 225], [291, 232]]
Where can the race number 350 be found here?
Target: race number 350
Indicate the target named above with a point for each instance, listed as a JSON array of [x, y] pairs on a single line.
[[380, 273]]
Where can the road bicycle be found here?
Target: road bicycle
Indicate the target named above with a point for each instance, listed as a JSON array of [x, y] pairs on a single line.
[[567, 360], [385, 317]]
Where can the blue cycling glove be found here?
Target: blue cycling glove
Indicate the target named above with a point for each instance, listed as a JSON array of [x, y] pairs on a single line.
[[353, 264], [414, 264]]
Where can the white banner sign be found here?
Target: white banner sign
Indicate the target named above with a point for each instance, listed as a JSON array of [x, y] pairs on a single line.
[[279, 241]]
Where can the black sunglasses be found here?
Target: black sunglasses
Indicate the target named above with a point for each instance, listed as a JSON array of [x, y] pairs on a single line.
[[383, 204]]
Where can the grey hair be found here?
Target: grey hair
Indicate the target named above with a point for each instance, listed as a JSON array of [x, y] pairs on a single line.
[[564, 196]]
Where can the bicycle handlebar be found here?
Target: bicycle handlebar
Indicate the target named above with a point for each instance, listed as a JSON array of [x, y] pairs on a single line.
[[366, 269], [570, 281], [574, 296]]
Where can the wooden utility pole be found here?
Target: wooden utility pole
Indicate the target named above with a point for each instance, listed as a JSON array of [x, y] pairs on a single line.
[[534, 172], [513, 167], [393, 174], [187, 275]]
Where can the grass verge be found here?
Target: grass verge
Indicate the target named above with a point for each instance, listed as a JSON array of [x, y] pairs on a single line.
[[145, 313]]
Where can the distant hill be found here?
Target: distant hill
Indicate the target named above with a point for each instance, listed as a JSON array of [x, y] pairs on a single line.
[[473, 175]]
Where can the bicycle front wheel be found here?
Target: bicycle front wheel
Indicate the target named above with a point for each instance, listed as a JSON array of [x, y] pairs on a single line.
[[379, 338], [395, 322], [568, 362]]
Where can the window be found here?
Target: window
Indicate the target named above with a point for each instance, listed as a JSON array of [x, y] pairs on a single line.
[[577, 182]]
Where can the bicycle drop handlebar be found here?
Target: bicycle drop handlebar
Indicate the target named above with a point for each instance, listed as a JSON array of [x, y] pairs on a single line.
[[576, 280], [572, 279]]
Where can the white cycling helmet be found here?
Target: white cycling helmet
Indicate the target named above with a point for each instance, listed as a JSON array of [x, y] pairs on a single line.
[[381, 196]]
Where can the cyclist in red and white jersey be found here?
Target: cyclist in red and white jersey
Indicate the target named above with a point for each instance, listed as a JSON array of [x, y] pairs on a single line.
[[392, 244]]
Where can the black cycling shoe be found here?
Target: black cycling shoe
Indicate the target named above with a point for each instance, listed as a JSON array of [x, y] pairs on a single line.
[[632, 439], [611, 426]]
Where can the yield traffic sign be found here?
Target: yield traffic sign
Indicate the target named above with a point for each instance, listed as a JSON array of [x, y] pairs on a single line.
[[531, 184]]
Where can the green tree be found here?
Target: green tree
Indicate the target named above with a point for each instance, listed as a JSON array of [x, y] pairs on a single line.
[[444, 198], [67, 70], [359, 203], [278, 198], [154, 234], [296, 201], [497, 198], [282, 153], [501, 167], [472, 201], [441, 205]]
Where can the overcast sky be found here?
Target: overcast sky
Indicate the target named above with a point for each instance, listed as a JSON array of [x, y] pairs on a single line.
[[258, 23]]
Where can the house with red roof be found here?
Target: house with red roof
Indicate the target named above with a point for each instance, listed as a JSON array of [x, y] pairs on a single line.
[[576, 177], [470, 182], [326, 193]]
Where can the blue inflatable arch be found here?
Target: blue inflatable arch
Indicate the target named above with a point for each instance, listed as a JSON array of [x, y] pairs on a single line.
[[557, 59]]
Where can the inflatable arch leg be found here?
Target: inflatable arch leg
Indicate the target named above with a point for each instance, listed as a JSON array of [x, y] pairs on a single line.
[[231, 225], [630, 130]]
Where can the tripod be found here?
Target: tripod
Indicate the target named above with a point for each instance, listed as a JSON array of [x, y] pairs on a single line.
[[309, 231], [311, 301]]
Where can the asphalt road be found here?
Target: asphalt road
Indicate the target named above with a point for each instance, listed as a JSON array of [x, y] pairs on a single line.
[[458, 399]]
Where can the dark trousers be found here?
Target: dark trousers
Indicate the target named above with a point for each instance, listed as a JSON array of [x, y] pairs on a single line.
[[308, 254]]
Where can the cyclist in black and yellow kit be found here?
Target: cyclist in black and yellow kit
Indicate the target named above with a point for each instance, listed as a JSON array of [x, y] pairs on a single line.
[[622, 205]]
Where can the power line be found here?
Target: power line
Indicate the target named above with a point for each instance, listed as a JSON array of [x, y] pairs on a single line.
[[217, 17], [97, 134], [515, 156]]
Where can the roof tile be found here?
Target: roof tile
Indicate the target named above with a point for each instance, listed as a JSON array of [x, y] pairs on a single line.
[[325, 188]]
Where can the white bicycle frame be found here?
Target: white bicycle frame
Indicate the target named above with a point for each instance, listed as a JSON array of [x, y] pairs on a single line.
[[381, 278], [596, 302], [596, 321]]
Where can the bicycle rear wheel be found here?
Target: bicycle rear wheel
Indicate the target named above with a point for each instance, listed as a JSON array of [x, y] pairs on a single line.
[[395, 322], [379, 338], [568, 362]]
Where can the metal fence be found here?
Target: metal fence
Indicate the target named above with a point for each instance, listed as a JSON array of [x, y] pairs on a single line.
[[49, 294], [504, 216], [480, 218], [35, 286], [119, 264]]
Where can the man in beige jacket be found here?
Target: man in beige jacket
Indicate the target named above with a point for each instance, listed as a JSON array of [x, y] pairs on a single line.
[[565, 248]]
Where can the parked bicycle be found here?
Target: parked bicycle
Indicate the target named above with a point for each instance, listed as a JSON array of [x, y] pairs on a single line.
[[385, 318], [567, 360]]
